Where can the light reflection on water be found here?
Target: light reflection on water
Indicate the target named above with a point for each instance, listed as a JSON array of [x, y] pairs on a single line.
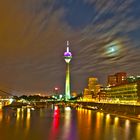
[[127, 128], [107, 124], [28, 120], [116, 129], [65, 124], [99, 121], [18, 114], [55, 124], [138, 131], [1, 115]]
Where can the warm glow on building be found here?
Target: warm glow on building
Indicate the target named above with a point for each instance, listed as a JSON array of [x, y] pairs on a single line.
[[92, 90], [129, 91], [117, 79]]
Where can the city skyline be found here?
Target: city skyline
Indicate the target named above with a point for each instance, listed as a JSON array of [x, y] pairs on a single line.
[[104, 40]]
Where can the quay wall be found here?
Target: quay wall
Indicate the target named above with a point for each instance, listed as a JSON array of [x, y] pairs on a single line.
[[115, 108]]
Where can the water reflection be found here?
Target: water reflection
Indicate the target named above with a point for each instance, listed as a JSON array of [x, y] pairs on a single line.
[[0, 105], [99, 121], [28, 119], [116, 121], [22, 113], [20, 121], [55, 123], [115, 128], [18, 114], [88, 112], [56, 118], [1, 115], [67, 123], [84, 118], [138, 131], [127, 129], [107, 125]]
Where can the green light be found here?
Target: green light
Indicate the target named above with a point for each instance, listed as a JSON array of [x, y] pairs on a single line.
[[67, 57], [67, 86]]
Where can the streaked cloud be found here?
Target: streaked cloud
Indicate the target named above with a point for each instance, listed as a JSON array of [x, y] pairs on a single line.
[[33, 36]]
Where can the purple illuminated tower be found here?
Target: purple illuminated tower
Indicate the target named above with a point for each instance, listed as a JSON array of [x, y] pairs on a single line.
[[67, 57]]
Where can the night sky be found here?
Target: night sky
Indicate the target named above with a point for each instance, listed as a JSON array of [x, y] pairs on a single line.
[[104, 38]]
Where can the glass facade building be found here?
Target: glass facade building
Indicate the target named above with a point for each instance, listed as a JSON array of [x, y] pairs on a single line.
[[124, 92]]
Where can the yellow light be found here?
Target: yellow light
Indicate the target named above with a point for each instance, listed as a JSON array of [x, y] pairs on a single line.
[[67, 108], [138, 131], [98, 114], [1, 115], [102, 114], [0, 105], [28, 110], [108, 116], [116, 121], [28, 120], [18, 114], [127, 123]]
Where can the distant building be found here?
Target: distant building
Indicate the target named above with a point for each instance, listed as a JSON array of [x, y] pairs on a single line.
[[124, 92], [93, 88], [91, 83], [97, 89], [86, 91], [121, 77], [102, 94], [131, 79], [117, 79]]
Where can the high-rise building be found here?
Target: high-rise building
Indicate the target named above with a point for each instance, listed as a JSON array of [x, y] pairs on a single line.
[[97, 89], [67, 57], [91, 83], [87, 95], [93, 89], [121, 77], [117, 79]]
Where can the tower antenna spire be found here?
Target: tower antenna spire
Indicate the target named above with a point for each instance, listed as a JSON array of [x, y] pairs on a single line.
[[68, 46], [68, 43]]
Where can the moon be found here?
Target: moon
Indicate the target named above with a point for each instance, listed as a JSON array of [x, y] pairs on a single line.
[[113, 49]]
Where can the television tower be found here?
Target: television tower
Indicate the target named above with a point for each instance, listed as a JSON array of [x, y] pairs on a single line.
[[67, 57]]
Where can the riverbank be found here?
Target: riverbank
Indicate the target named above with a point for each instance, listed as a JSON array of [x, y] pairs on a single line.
[[118, 113], [23, 105], [123, 111]]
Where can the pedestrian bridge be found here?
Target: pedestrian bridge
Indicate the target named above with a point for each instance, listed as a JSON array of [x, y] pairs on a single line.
[[5, 98], [5, 102]]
